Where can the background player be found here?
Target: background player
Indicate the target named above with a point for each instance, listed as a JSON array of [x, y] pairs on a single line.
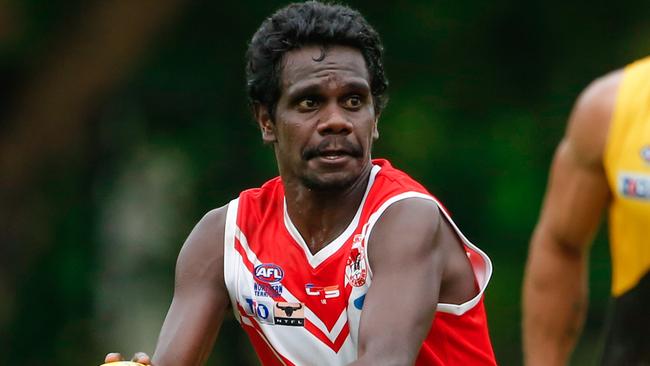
[[602, 162]]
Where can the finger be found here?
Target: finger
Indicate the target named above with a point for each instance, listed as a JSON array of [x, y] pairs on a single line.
[[113, 357], [142, 358]]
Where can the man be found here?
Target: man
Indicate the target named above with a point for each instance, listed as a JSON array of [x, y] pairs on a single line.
[[603, 161], [341, 259]]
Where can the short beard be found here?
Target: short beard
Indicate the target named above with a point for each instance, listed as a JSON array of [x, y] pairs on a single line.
[[319, 185]]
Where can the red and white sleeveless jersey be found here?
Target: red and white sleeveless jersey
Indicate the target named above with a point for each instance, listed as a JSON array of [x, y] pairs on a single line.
[[300, 308]]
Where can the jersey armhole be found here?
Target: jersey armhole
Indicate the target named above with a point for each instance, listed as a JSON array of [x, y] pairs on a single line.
[[229, 255], [481, 264]]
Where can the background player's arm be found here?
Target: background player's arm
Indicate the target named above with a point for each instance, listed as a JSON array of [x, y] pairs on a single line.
[[555, 282], [408, 253], [200, 297]]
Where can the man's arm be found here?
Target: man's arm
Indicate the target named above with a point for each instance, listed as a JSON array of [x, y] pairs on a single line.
[[416, 259], [200, 296], [555, 281]]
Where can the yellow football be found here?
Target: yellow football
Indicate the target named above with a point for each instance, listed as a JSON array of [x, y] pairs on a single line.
[[122, 363]]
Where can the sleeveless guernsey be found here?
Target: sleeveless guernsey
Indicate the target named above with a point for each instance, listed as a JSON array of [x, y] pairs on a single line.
[[304, 309], [627, 165]]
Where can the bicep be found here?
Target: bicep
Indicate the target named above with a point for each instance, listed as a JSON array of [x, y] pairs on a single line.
[[200, 298], [578, 191], [576, 195], [407, 270]]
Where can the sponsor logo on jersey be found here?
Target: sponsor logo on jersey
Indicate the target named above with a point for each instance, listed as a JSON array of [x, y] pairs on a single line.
[[634, 185], [645, 153], [268, 290], [289, 313], [327, 292], [269, 273], [262, 310], [355, 266]]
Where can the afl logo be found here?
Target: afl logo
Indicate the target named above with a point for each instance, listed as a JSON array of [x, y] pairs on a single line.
[[269, 273], [645, 154]]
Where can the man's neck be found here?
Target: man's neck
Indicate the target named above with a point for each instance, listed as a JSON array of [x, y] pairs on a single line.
[[321, 216]]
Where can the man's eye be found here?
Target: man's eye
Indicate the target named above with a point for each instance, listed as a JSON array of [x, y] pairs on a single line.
[[353, 102], [307, 103]]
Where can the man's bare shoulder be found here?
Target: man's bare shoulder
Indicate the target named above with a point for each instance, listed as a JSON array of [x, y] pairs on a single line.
[[591, 117], [209, 231], [213, 222], [415, 220], [422, 211], [202, 254]]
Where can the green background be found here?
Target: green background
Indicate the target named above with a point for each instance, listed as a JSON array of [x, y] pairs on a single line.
[[123, 122]]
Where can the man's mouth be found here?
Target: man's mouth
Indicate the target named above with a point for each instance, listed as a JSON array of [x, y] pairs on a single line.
[[333, 154], [328, 151]]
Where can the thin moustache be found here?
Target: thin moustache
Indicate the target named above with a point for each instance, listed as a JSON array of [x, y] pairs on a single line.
[[340, 145]]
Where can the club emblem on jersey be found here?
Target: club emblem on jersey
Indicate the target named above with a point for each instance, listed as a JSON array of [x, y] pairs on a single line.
[[355, 266], [645, 154], [269, 273], [327, 292], [289, 313]]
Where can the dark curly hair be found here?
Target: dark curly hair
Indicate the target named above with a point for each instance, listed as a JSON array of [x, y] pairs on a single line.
[[310, 23]]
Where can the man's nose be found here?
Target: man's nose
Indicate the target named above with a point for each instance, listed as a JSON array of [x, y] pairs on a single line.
[[334, 122]]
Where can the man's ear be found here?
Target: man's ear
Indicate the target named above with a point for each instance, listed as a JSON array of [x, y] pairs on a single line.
[[265, 122], [375, 131]]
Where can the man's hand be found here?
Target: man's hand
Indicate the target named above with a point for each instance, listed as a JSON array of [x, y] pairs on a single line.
[[139, 357]]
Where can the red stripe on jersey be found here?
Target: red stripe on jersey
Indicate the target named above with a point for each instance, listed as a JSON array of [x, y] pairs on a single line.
[[338, 342], [251, 267], [266, 353], [244, 257]]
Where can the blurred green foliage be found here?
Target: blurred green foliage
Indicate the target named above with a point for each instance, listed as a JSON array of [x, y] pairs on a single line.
[[480, 93]]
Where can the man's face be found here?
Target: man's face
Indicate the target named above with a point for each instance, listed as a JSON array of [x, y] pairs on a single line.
[[325, 119]]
